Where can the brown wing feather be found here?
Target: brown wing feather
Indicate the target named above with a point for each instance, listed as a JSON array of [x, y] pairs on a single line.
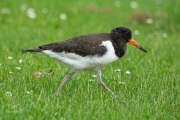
[[82, 45], [46, 47]]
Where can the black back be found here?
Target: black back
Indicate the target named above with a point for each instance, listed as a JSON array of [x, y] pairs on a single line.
[[88, 45]]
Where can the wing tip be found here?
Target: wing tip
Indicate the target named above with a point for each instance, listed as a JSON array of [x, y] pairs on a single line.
[[30, 50], [23, 51]]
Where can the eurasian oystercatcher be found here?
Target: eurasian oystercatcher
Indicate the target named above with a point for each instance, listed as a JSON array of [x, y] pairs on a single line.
[[89, 52]]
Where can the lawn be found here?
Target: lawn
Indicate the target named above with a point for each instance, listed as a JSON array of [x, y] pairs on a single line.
[[28, 81]]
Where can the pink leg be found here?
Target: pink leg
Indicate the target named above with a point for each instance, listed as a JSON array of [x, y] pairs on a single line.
[[101, 83], [65, 80]]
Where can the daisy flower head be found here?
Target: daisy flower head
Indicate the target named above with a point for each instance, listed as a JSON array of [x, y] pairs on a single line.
[[118, 70], [5, 10], [136, 32], [9, 94], [122, 83], [165, 35], [94, 76], [20, 61], [134, 5], [18, 68], [23, 7], [91, 80], [63, 16], [149, 21], [10, 58], [128, 72], [31, 13]]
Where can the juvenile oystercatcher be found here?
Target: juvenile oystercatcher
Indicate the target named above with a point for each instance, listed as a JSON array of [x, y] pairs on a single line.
[[89, 52]]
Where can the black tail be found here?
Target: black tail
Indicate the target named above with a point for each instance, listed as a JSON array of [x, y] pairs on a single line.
[[31, 50]]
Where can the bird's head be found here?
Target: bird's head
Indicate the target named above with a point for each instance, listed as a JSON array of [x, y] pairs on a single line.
[[125, 35]]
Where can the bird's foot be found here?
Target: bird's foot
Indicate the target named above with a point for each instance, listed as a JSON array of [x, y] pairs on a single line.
[[115, 96], [55, 95]]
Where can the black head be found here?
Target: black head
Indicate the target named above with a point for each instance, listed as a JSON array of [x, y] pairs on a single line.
[[121, 33], [124, 34]]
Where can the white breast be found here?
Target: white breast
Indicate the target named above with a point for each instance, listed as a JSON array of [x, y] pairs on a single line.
[[88, 63]]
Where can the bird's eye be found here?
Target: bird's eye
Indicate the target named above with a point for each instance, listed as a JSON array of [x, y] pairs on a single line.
[[125, 34]]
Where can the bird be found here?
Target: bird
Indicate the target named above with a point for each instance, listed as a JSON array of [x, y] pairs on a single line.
[[90, 52]]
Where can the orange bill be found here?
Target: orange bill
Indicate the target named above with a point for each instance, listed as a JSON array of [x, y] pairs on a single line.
[[133, 42]]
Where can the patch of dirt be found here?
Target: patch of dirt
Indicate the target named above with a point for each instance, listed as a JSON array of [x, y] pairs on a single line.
[[140, 17], [97, 9], [39, 74]]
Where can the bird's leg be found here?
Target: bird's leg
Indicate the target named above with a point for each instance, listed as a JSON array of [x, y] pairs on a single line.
[[101, 83], [65, 80]]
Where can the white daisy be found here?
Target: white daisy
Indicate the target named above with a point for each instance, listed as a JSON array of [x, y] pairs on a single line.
[[128, 72], [94, 76], [122, 83], [118, 70], [20, 61], [5, 10], [63, 16], [149, 21], [91, 80], [134, 5], [129, 59], [39, 73], [23, 7], [165, 35], [18, 68], [62, 118], [31, 13], [10, 57], [136, 32], [9, 94]]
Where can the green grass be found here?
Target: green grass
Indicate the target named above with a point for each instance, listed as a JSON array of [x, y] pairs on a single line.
[[151, 91]]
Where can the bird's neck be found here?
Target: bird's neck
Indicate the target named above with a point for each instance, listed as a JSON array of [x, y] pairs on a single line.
[[120, 48]]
